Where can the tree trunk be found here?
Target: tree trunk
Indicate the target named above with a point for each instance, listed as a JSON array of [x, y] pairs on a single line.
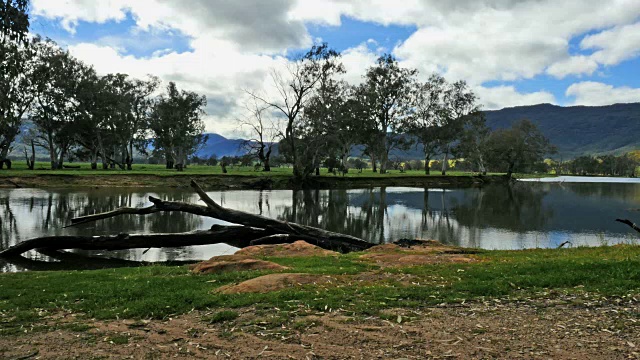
[[510, 170], [373, 162], [427, 160], [130, 157], [4, 152], [445, 161], [383, 162]]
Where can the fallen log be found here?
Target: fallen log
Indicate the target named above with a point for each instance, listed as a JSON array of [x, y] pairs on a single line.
[[325, 239], [238, 236], [629, 223]]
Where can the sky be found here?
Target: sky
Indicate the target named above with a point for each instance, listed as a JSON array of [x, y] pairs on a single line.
[[511, 52]]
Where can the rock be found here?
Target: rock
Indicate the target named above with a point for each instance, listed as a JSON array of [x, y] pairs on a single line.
[[298, 248]]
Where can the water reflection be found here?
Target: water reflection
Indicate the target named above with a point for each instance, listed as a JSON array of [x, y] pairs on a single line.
[[523, 215]]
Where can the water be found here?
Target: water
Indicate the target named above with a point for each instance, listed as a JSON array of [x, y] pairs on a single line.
[[524, 215]]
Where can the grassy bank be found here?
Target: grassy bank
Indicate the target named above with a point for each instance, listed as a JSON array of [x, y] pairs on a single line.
[[237, 177], [161, 292]]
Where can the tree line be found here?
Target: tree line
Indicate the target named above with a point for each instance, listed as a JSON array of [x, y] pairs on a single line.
[[57, 102], [325, 118], [609, 165]]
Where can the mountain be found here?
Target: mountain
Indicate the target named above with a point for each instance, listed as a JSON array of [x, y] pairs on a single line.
[[579, 130], [221, 146]]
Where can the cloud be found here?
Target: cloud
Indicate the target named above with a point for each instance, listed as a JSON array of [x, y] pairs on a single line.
[[614, 45], [221, 76], [575, 65], [251, 25], [70, 12], [498, 97], [592, 93]]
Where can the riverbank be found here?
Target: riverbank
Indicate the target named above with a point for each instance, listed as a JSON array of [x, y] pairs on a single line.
[[388, 303], [240, 182]]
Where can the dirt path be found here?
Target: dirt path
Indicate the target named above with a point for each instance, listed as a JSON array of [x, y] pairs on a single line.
[[531, 330]]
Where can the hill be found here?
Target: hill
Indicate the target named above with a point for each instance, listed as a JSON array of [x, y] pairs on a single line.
[[221, 146], [579, 130]]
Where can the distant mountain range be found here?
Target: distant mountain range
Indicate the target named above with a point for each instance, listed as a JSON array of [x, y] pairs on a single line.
[[579, 130], [221, 146]]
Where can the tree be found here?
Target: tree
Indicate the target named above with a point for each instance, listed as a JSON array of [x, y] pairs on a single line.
[[57, 82], [264, 133], [426, 118], [387, 104], [294, 90], [458, 102], [473, 141], [14, 20], [176, 125], [16, 69], [517, 148], [141, 107]]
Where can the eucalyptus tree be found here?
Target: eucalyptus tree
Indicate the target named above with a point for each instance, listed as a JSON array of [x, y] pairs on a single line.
[[517, 148], [386, 93], [56, 107], [426, 118], [176, 125], [458, 102], [295, 87], [16, 65], [14, 20], [473, 142], [141, 108]]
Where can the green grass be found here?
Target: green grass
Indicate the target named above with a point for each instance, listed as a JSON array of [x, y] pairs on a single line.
[[222, 316], [19, 169], [159, 292]]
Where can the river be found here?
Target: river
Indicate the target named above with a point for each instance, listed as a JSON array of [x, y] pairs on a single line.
[[535, 214]]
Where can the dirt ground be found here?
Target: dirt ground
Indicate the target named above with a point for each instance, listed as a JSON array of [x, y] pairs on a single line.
[[495, 330]]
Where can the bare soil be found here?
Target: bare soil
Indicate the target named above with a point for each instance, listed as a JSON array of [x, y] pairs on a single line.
[[540, 329], [275, 282], [225, 263], [422, 253], [298, 248]]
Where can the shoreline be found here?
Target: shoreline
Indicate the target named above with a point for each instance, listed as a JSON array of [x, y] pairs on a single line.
[[242, 182]]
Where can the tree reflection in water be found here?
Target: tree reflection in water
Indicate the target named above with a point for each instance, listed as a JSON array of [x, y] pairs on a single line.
[[493, 216]]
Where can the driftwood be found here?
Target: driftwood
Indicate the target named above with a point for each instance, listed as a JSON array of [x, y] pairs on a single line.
[[629, 223], [238, 236], [251, 230]]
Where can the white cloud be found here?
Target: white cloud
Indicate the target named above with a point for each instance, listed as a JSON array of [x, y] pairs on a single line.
[[592, 93], [251, 25], [70, 12], [498, 97], [614, 45], [575, 65]]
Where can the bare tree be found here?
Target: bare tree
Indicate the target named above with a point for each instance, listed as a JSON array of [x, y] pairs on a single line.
[[264, 132], [294, 90]]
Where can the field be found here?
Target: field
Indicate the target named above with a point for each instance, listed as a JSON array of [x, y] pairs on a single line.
[[580, 302], [42, 168]]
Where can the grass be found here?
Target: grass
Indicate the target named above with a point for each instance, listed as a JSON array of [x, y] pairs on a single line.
[[19, 169], [158, 292]]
